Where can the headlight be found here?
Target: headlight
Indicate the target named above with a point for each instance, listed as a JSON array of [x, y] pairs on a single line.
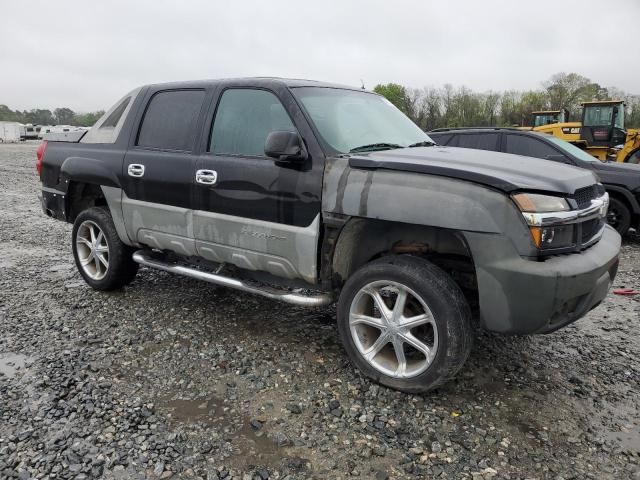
[[536, 203], [545, 237]]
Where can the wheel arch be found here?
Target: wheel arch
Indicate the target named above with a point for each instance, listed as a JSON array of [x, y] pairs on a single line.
[[362, 240], [625, 196], [88, 170], [83, 195]]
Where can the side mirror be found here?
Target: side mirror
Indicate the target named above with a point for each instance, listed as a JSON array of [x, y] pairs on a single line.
[[285, 146]]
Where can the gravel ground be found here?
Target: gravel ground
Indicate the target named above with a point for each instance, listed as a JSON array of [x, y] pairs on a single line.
[[172, 378]]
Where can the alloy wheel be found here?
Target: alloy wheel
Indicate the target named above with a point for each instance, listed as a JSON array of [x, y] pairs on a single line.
[[93, 250], [393, 329]]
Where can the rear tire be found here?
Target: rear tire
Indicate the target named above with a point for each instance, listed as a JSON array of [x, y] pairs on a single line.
[[419, 337], [102, 259], [619, 216]]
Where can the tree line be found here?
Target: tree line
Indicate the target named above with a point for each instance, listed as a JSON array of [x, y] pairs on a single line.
[[450, 106], [60, 116], [434, 107]]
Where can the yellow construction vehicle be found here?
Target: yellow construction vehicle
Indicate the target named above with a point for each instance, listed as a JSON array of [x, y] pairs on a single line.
[[547, 117], [601, 132]]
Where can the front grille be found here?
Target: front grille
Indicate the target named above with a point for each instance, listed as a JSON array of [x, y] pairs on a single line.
[[583, 196], [590, 228]]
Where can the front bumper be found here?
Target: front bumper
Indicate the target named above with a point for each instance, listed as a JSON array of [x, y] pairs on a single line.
[[520, 296]]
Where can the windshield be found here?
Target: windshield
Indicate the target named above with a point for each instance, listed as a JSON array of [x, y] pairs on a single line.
[[601, 115], [349, 120], [545, 119], [572, 149]]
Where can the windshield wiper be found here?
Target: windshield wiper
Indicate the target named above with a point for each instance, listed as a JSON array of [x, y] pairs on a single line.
[[375, 146], [424, 143]]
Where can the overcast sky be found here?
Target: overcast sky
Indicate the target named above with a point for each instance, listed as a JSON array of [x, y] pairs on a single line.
[[87, 54]]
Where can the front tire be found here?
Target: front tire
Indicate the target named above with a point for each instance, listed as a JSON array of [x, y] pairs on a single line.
[[619, 216], [405, 323], [102, 259]]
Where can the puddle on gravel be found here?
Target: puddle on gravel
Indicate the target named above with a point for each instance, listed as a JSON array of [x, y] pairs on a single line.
[[620, 425], [10, 363], [629, 440], [251, 446], [199, 409]]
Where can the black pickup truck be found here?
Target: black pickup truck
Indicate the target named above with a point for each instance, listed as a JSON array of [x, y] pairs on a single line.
[[311, 193]]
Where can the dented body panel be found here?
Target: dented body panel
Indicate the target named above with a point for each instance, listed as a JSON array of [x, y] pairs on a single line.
[[319, 220], [375, 194]]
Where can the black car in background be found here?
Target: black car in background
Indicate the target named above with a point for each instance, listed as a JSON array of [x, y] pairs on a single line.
[[621, 180]]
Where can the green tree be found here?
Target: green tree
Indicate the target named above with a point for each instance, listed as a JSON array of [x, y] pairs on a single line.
[[63, 116], [39, 117], [8, 115], [491, 107], [396, 94], [431, 108], [568, 90], [87, 119]]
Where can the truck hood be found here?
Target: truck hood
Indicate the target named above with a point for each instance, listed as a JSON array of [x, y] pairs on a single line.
[[624, 174], [497, 170]]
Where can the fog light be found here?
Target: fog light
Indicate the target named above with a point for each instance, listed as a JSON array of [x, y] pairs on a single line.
[[547, 236], [552, 237]]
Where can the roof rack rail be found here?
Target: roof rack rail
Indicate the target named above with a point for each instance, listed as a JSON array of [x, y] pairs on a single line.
[[450, 129]]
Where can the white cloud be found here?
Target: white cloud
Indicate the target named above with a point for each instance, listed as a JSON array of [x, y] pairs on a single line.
[[85, 55]]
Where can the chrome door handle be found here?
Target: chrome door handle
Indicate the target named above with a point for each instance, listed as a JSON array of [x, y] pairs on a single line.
[[206, 177], [135, 170]]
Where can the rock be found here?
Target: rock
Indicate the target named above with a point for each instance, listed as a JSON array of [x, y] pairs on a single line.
[[256, 424], [381, 475], [158, 469], [171, 378]]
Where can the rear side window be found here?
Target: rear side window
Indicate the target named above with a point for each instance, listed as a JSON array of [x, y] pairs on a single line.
[[479, 141], [171, 119], [440, 138], [112, 120], [108, 127], [531, 147], [244, 119]]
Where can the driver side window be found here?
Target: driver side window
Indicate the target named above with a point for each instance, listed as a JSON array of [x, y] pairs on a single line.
[[244, 119]]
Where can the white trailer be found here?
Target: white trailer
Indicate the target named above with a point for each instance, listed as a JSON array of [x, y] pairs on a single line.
[[11, 132], [44, 129], [64, 129], [30, 132]]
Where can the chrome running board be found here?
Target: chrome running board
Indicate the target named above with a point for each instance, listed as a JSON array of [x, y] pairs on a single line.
[[313, 300]]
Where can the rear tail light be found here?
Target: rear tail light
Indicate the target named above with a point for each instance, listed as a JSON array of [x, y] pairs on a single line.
[[40, 155]]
